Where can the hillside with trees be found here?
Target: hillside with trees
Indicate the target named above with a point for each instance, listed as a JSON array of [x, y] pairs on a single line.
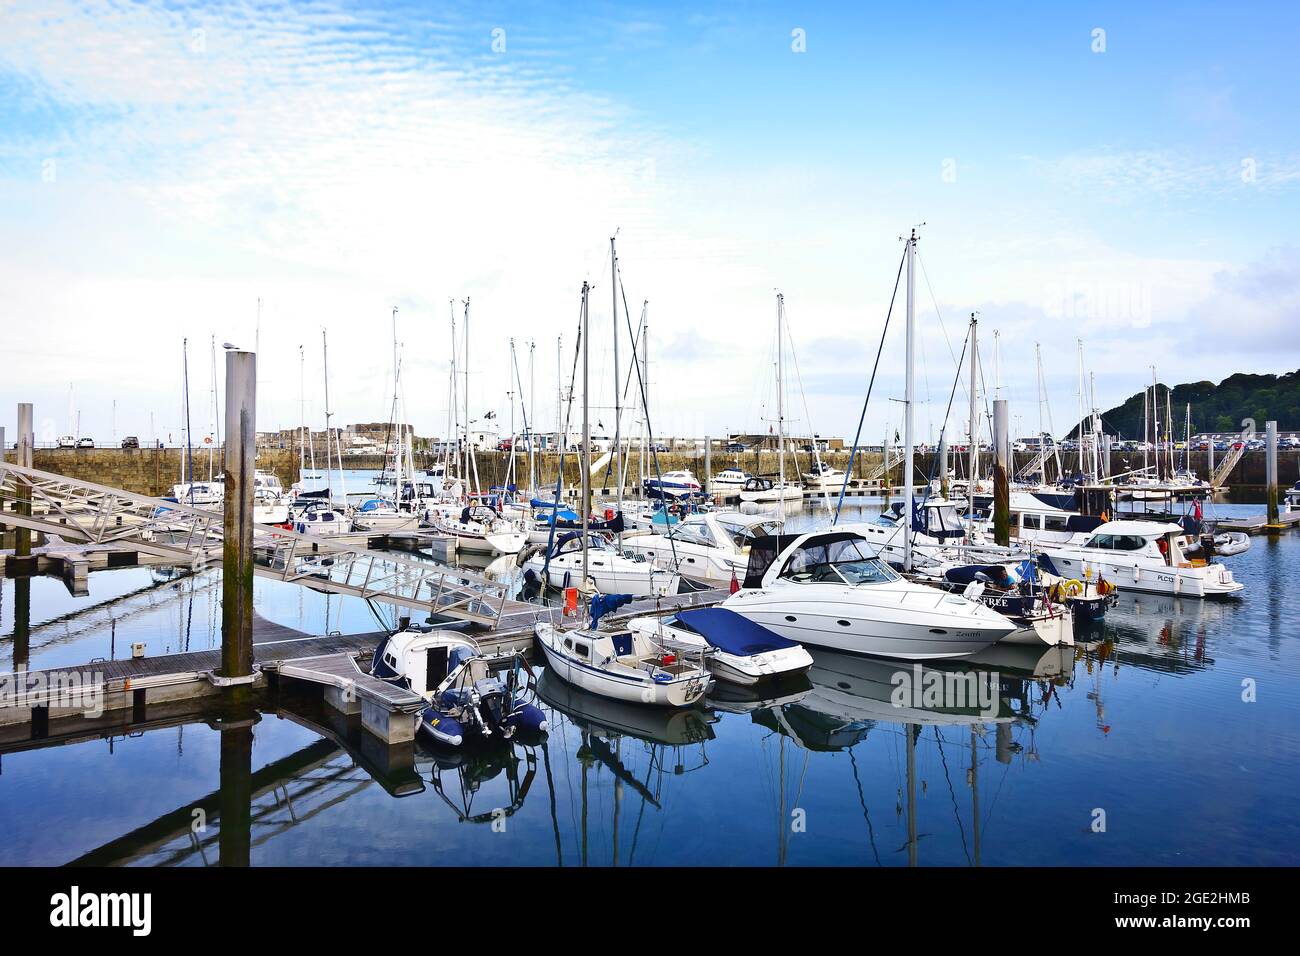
[[1218, 408]]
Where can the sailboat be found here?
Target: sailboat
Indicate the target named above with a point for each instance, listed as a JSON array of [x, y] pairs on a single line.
[[583, 558], [622, 663], [761, 488]]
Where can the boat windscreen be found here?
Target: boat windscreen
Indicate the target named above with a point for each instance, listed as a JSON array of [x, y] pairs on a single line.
[[763, 551], [835, 558]]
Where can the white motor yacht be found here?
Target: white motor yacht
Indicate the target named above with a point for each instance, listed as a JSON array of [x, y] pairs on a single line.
[[1140, 556], [710, 548], [829, 589], [609, 570]]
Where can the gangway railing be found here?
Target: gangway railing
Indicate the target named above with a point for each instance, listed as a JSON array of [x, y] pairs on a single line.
[[98, 514]]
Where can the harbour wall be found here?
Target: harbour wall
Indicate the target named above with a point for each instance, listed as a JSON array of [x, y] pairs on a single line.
[[153, 471], [147, 471]]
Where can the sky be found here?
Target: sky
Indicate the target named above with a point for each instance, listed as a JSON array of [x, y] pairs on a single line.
[[260, 173]]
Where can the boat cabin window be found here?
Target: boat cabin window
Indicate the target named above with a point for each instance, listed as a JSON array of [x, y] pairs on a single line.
[[742, 536], [1117, 542], [1056, 522], [838, 561]]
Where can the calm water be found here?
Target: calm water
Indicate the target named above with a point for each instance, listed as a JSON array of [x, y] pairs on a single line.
[[1149, 727]]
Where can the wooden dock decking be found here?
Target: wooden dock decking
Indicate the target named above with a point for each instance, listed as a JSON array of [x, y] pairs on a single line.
[[65, 693]]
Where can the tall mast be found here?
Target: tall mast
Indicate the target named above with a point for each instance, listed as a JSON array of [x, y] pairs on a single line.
[[467, 454], [532, 404], [1082, 410], [585, 457], [329, 431], [780, 395], [974, 421], [618, 406], [910, 388], [302, 410]]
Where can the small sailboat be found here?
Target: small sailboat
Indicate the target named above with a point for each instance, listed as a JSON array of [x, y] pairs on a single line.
[[479, 529], [622, 663], [469, 698]]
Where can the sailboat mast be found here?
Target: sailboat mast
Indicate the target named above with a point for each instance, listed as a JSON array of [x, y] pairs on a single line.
[[467, 486], [532, 404], [329, 432], [780, 394], [618, 406], [585, 457], [973, 425], [908, 397]]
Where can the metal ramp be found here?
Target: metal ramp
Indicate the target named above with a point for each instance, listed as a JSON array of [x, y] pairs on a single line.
[[1036, 464], [82, 511], [895, 459], [1224, 468]]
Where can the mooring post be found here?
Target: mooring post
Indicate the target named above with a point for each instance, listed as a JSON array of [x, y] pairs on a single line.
[[1209, 471], [236, 799], [1270, 469], [237, 536], [708, 465], [943, 467], [1001, 478], [25, 456]]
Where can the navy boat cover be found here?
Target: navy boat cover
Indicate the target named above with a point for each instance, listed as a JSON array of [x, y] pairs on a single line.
[[728, 631]]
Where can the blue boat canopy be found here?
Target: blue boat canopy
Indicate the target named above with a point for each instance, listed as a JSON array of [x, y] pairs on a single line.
[[602, 604], [728, 631]]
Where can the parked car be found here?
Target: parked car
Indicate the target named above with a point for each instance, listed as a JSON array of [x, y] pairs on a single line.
[[130, 441], [657, 446], [67, 441], [85, 443], [505, 444], [735, 446]]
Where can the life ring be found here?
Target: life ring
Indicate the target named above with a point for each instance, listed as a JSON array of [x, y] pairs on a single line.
[[1072, 588]]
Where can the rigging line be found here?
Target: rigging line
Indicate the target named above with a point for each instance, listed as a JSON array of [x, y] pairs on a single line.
[[874, 368], [935, 302], [649, 429], [862, 801], [934, 462], [812, 435], [961, 827], [564, 444]]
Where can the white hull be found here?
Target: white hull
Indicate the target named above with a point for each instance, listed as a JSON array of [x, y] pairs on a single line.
[[622, 684], [386, 522], [734, 669], [611, 574], [698, 563], [788, 493], [1134, 574], [911, 622]]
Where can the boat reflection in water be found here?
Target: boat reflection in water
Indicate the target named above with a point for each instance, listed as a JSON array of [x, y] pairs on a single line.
[[459, 777], [644, 748], [852, 697]]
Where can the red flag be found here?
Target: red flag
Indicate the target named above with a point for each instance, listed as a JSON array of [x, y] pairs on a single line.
[[735, 585]]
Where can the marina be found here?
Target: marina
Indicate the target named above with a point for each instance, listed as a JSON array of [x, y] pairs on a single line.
[[455, 454]]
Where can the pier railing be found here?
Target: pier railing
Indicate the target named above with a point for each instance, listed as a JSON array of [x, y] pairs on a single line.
[[100, 515]]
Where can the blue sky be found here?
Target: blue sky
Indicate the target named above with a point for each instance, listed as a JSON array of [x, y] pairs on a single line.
[[337, 159]]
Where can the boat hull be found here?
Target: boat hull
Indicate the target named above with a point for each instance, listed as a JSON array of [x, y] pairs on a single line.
[[677, 693], [821, 617]]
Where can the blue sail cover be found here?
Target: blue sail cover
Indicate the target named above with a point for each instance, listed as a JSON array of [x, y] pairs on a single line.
[[602, 604], [728, 631]]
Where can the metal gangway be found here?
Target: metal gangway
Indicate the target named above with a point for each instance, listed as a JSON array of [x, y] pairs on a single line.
[[1224, 468], [887, 464], [99, 515]]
